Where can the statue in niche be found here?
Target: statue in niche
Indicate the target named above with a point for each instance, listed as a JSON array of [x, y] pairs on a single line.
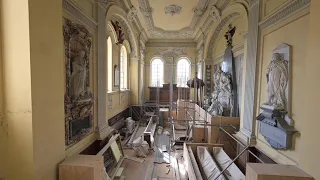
[[229, 34], [118, 29], [277, 79], [78, 77]]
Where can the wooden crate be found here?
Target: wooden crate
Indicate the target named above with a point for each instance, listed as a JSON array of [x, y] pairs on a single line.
[[82, 167], [257, 171]]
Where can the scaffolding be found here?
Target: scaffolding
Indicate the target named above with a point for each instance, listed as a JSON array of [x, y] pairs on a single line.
[[190, 111]]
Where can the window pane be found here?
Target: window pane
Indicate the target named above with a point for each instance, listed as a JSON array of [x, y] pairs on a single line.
[[156, 72], [183, 72]]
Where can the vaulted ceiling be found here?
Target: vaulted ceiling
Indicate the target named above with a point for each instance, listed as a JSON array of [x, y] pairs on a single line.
[[177, 19]]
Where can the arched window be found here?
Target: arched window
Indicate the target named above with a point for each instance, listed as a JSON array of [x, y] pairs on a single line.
[[109, 64], [156, 73], [183, 72], [123, 68]]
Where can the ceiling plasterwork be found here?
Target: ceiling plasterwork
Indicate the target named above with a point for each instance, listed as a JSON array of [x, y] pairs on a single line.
[[172, 9], [151, 15], [176, 19]]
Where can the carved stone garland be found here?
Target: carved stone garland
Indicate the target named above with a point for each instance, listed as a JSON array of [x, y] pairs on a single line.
[[78, 97]]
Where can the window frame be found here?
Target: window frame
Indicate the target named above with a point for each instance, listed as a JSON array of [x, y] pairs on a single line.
[[161, 73], [123, 68], [177, 71]]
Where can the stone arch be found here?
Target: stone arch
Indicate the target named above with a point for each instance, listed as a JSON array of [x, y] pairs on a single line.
[[233, 11], [115, 12], [157, 56], [111, 32]]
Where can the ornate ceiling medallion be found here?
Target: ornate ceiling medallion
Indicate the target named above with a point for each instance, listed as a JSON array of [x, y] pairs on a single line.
[[172, 9]]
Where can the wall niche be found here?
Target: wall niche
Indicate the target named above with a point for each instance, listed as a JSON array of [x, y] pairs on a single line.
[[78, 96]]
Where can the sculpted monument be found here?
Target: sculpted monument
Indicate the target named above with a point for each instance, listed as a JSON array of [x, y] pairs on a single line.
[[78, 97], [277, 79], [275, 122], [221, 97]]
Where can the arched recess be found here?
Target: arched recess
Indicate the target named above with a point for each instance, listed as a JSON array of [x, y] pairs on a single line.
[[232, 12], [111, 32], [115, 12]]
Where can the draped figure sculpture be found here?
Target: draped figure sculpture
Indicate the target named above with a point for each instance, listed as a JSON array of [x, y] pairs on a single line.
[[277, 80], [78, 76]]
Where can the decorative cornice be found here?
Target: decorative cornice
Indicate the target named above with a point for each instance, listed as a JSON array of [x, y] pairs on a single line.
[[284, 13], [75, 11], [171, 51], [218, 32], [175, 44]]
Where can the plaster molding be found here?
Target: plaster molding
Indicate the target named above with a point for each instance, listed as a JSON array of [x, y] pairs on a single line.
[[76, 12], [158, 33], [172, 9], [132, 14], [171, 51], [215, 13], [218, 32], [284, 13], [166, 44]]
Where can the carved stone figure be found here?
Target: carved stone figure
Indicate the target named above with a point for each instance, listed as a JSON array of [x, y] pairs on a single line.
[[221, 97], [277, 79], [118, 29], [216, 108], [229, 34], [207, 102], [78, 76]]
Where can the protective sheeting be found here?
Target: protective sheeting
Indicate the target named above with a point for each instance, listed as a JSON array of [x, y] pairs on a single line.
[[209, 166], [233, 172], [194, 164]]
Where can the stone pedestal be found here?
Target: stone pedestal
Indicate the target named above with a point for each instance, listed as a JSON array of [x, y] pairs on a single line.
[[274, 128]]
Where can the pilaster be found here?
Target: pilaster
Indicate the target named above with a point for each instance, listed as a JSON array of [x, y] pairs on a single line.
[[248, 120], [102, 129]]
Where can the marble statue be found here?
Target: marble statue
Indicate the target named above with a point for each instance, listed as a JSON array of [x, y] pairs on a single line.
[[216, 108], [217, 75], [221, 97], [277, 79], [207, 102], [78, 75]]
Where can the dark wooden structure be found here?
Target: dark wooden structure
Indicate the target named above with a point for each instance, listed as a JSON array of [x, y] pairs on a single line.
[[164, 93]]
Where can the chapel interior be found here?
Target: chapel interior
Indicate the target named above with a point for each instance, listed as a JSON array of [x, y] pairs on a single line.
[[159, 89]]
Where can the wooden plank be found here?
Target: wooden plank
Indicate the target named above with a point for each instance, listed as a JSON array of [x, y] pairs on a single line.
[[257, 171]]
